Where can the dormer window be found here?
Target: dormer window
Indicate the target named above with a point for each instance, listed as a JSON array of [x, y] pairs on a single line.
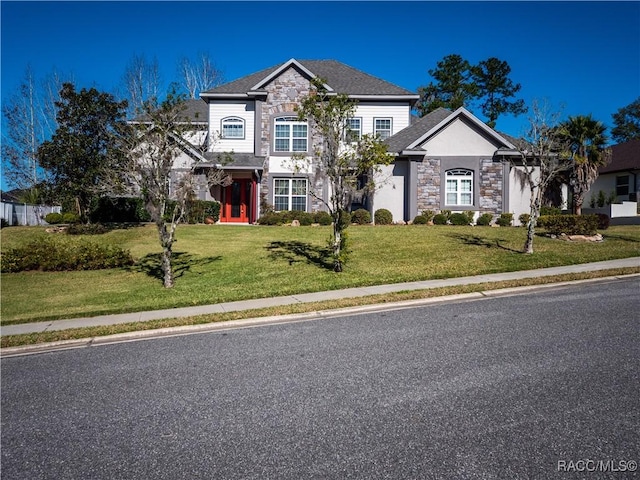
[[233, 128], [290, 135]]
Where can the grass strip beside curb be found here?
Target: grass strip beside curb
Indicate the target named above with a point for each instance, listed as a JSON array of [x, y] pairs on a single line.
[[87, 333]]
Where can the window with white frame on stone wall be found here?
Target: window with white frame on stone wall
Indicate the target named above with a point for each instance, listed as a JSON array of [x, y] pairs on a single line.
[[290, 194], [459, 187], [290, 135], [232, 128]]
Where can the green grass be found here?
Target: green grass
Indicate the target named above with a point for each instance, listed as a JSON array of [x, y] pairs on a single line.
[[226, 263]]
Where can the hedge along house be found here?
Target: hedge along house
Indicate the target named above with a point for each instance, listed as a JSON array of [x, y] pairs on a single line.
[[443, 161]]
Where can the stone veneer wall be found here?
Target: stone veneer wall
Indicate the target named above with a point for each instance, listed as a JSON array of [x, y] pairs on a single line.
[[428, 185], [284, 94], [491, 186]]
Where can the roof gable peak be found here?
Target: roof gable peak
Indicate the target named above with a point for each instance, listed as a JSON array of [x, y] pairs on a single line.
[[292, 62]]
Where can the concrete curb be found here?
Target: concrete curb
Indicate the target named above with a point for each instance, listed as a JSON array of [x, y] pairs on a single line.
[[282, 319]]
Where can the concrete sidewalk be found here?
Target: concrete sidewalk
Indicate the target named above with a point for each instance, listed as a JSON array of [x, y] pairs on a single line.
[[307, 298]]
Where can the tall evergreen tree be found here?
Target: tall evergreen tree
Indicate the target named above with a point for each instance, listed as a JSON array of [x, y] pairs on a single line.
[[494, 86], [626, 123], [453, 87]]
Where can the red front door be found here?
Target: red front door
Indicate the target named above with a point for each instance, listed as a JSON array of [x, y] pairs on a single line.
[[237, 197]]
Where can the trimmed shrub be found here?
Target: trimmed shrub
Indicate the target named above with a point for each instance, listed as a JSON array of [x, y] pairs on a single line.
[[505, 219], [70, 217], [459, 219], [603, 221], [271, 218], [322, 218], [569, 224], [544, 210], [49, 254], [53, 218], [420, 220], [469, 214], [196, 211], [344, 219], [361, 217], [440, 219], [382, 216], [524, 218], [484, 219], [428, 214]]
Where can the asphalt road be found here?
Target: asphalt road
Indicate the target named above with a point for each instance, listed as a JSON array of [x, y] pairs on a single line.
[[525, 386]]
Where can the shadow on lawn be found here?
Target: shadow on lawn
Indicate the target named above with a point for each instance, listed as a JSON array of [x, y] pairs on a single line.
[[182, 263], [294, 251], [482, 242]]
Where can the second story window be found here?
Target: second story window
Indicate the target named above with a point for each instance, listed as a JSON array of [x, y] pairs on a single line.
[[290, 135], [233, 127], [353, 130], [382, 127]]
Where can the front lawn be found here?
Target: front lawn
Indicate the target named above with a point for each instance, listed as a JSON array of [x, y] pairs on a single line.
[[220, 263]]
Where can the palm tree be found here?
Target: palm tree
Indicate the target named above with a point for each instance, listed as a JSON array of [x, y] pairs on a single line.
[[587, 142]]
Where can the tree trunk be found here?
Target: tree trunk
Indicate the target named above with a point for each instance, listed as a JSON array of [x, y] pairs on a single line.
[[337, 244], [534, 214], [166, 241], [167, 268]]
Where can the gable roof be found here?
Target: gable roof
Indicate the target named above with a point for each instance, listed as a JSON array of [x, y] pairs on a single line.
[[624, 156], [339, 78], [408, 140]]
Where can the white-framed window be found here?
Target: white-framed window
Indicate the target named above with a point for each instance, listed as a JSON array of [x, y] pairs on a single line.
[[290, 194], [290, 135], [459, 190], [382, 127], [233, 128], [353, 130], [622, 185]]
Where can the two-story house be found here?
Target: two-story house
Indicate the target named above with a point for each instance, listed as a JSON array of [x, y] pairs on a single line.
[[445, 160]]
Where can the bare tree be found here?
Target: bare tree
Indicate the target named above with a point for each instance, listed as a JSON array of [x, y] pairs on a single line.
[[541, 157], [142, 82], [152, 145], [199, 74], [340, 163]]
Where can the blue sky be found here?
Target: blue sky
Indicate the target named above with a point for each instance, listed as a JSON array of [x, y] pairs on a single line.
[[583, 55]]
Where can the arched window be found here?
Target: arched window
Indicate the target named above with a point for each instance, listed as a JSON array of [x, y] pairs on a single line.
[[290, 135], [233, 128], [459, 187]]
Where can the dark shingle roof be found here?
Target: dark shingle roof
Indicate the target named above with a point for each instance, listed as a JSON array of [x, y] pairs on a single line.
[[196, 111], [340, 77], [624, 156], [401, 140], [235, 160]]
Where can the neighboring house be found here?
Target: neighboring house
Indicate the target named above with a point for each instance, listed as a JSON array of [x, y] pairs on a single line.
[[445, 160], [621, 177]]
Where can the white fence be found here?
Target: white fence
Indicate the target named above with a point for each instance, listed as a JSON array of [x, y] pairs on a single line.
[[23, 214]]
